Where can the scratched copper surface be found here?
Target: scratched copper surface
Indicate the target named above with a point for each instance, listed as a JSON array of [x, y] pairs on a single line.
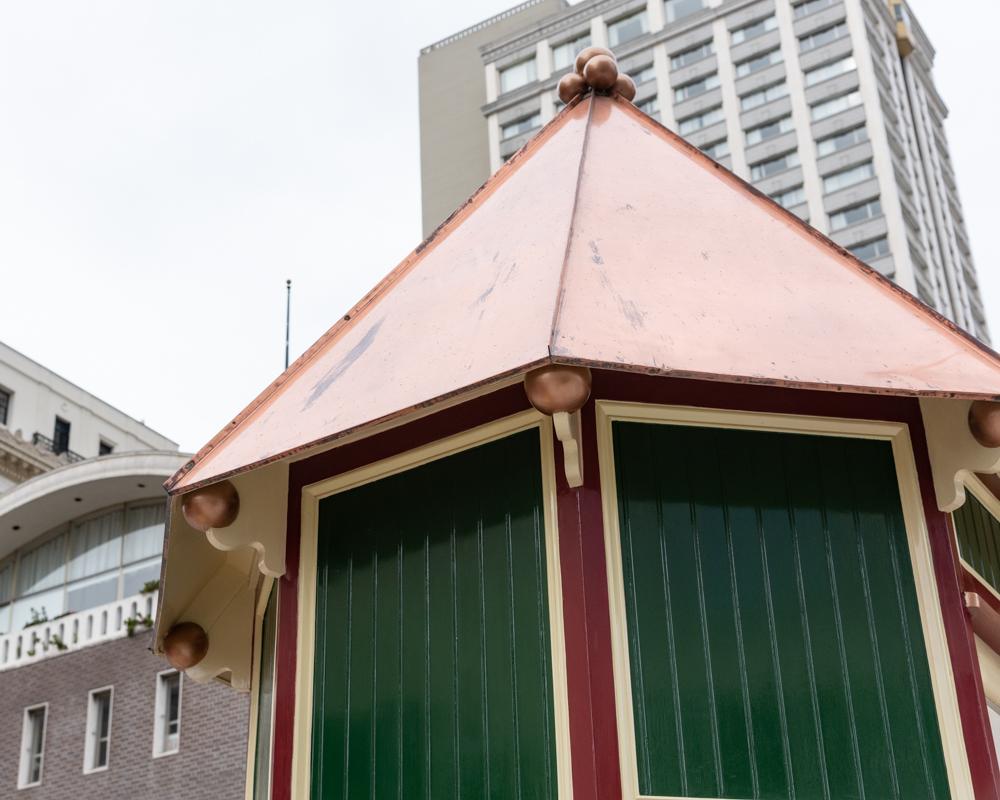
[[607, 241]]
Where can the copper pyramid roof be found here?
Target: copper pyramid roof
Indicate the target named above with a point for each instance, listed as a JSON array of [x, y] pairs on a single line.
[[607, 241]]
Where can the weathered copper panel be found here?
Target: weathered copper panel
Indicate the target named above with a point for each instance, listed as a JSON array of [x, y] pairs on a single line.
[[675, 267], [473, 303]]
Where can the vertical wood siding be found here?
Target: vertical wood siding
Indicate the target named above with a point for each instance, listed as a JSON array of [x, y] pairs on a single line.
[[978, 534], [433, 675], [774, 638]]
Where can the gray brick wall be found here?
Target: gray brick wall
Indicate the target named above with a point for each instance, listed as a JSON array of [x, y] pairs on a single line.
[[213, 740]]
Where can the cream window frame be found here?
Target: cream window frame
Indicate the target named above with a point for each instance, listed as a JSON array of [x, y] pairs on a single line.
[[992, 504], [306, 634], [939, 661]]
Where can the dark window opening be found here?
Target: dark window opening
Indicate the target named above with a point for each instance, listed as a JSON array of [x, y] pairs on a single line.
[[105, 448], [60, 436]]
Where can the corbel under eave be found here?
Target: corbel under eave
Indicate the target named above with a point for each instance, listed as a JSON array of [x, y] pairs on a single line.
[[955, 455]]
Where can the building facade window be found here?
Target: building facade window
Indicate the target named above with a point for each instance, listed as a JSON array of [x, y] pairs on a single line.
[[696, 88], [855, 214], [644, 75], [692, 55], [4, 406], [628, 28], [757, 63], [518, 75], [523, 125], [564, 55], [820, 38], [650, 105], [105, 448], [790, 197], [717, 150], [6, 594], [60, 436], [869, 251], [831, 70], [167, 711], [764, 169], [95, 560], [841, 141], [97, 747], [763, 96], [265, 700], [754, 29], [811, 6], [678, 9], [32, 746], [834, 106], [848, 177], [769, 130], [699, 121]]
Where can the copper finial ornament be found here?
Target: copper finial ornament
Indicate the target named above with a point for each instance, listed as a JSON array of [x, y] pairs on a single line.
[[214, 506], [558, 387], [185, 645], [984, 422], [597, 69]]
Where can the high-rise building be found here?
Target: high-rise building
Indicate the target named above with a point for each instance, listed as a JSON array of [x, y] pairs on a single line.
[[827, 106], [85, 709]]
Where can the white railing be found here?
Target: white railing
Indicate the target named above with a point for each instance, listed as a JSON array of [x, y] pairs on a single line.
[[73, 631]]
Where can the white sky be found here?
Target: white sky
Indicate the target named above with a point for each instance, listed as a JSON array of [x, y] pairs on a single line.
[[164, 167]]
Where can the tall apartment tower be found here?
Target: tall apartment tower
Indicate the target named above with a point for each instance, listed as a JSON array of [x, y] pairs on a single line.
[[827, 106]]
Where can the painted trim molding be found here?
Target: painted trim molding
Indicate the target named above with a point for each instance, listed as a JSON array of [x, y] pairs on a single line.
[[312, 494], [942, 676]]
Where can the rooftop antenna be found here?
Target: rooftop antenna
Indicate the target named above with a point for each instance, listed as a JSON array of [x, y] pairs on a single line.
[[288, 315]]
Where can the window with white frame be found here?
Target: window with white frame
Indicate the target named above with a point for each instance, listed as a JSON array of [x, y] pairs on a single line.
[[868, 251], [820, 38], [790, 197], [757, 63], [517, 75], [678, 9], [699, 121], [772, 166], [848, 177], [519, 126], [717, 150], [628, 28], [564, 55], [650, 105], [763, 96], [696, 88], [97, 747], [811, 6], [769, 130], [692, 55], [835, 105], [754, 29], [644, 74], [167, 733], [855, 214], [32, 746], [841, 141], [831, 70]]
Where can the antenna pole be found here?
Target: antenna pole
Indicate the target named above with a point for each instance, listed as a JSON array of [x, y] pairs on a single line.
[[288, 315]]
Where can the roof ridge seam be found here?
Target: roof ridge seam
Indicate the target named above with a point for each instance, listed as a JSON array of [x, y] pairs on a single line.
[[561, 288]]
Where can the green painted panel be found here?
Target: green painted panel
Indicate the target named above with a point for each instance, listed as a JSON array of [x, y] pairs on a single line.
[[433, 672], [774, 638], [978, 534]]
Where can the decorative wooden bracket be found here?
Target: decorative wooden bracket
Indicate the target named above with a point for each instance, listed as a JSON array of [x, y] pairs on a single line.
[[954, 452], [985, 620], [569, 429]]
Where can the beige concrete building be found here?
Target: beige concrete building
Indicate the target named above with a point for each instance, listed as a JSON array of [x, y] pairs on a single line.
[[828, 106]]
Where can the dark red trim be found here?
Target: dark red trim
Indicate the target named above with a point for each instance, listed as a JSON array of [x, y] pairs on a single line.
[[593, 728]]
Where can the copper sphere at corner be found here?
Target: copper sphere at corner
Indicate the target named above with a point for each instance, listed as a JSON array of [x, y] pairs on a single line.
[[213, 506], [570, 85], [984, 422], [185, 645], [625, 86], [588, 53], [601, 72], [558, 387]]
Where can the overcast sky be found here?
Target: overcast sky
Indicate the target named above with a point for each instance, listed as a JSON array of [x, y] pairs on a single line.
[[164, 167]]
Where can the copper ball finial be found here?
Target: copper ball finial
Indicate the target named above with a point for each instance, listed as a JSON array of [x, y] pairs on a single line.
[[214, 506], [588, 53], [625, 86], [558, 387], [984, 422], [570, 85], [601, 72], [185, 645]]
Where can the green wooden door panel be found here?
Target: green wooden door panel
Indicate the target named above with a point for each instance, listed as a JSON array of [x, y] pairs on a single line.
[[978, 534], [775, 643], [433, 665]]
